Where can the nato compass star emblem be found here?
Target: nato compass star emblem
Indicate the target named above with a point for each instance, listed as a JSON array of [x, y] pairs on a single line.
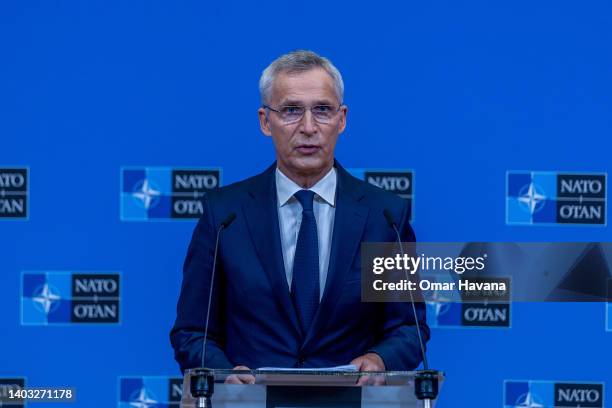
[[528, 400], [438, 301], [144, 399], [439, 304], [146, 193], [46, 298], [531, 198]]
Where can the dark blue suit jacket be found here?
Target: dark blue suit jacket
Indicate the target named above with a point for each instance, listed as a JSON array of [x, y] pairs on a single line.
[[253, 322]]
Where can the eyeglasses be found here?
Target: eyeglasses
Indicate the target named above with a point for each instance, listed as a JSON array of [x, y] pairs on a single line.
[[291, 114]]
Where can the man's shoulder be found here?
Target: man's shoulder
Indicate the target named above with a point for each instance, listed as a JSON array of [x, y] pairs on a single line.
[[379, 201], [374, 196], [238, 191]]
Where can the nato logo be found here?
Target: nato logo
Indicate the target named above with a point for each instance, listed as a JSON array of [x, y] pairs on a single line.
[[492, 310], [51, 298], [9, 386], [164, 193], [149, 392], [555, 198], [459, 315], [400, 182], [14, 193], [548, 394]]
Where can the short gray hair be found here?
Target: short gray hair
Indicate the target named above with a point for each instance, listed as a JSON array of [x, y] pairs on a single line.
[[298, 61]]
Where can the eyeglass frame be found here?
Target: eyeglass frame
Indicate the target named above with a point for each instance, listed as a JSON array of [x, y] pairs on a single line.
[[305, 109]]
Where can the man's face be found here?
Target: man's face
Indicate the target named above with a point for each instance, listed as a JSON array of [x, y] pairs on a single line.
[[305, 147]]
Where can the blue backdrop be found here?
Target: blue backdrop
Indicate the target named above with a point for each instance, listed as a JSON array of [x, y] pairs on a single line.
[[459, 92]]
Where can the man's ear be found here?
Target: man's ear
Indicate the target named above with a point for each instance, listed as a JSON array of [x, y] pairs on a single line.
[[342, 123], [264, 123]]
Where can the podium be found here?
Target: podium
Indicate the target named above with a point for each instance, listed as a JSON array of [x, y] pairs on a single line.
[[310, 389]]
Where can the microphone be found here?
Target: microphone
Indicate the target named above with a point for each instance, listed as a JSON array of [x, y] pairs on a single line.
[[202, 385], [390, 221], [426, 380], [228, 220]]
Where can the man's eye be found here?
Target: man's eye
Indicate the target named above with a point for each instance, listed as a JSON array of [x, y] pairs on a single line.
[[292, 110], [322, 109]]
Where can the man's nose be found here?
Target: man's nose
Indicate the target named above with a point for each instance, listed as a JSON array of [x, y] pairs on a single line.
[[309, 126]]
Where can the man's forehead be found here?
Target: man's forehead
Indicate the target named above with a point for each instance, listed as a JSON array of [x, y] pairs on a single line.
[[314, 85]]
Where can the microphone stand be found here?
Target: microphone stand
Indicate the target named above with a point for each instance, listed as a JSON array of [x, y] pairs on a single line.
[[202, 385], [426, 381]]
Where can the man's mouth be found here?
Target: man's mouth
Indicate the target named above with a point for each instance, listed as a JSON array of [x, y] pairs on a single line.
[[308, 148]]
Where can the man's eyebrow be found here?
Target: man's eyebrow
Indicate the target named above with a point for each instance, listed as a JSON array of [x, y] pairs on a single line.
[[294, 102], [291, 102]]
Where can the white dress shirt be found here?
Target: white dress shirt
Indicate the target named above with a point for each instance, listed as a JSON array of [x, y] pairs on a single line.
[[290, 219]]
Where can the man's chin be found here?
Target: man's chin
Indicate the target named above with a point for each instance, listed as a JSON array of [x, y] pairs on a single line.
[[312, 166]]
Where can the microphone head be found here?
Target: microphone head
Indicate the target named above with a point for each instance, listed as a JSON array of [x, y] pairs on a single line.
[[389, 218], [228, 220]]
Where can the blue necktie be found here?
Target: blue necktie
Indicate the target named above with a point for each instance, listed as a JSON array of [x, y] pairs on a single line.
[[305, 281]]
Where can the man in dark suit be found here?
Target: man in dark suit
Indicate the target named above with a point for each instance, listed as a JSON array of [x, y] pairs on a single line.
[[287, 290]]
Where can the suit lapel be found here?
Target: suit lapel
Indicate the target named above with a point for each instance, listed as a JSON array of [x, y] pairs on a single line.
[[349, 223], [261, 214]]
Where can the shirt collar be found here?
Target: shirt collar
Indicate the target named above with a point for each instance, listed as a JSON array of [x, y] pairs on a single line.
[[324, 188]]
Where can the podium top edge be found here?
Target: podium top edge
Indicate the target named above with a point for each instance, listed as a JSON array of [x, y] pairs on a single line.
[[311, 372]]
